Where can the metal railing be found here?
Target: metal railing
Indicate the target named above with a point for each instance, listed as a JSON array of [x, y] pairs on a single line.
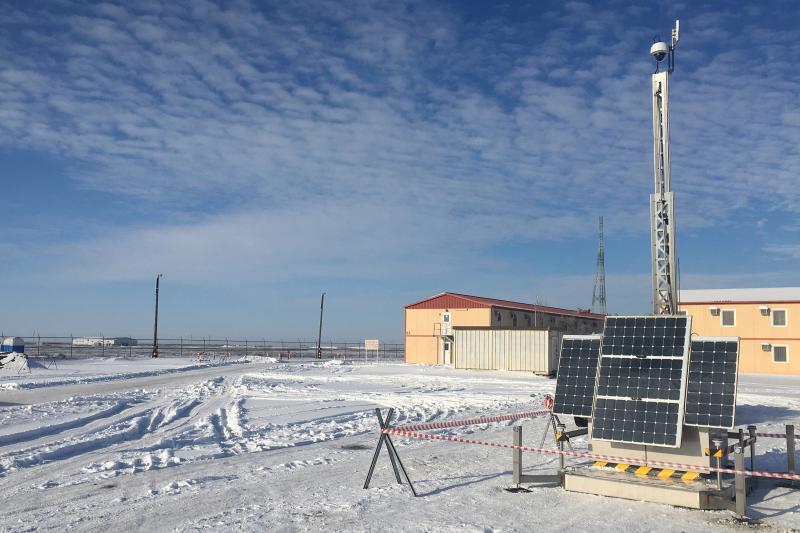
[[206, 348]]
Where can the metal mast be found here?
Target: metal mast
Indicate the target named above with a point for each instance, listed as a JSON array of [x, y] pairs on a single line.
[[599, 290], [662, 207]]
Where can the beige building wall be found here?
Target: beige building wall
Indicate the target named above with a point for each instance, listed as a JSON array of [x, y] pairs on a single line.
[[571, 325], [753, 329], [422, 333]]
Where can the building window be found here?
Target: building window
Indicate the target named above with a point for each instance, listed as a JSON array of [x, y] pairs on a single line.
[[528, 319], [728, 318], [514, 319], [779, 317], [447, 346], [780, 354]]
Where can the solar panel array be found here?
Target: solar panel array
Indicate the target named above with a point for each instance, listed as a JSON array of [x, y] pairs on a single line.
[[711, 392], [641, 382], [577, 374]]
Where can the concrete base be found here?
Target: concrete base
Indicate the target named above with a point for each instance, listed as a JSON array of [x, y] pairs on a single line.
[[700, 494]]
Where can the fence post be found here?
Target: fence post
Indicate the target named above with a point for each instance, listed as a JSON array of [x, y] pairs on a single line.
[[517, 455], [751, 429], [790, 450], [740, 482]]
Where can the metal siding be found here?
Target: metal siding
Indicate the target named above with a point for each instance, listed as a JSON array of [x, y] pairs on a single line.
[[495, 349]]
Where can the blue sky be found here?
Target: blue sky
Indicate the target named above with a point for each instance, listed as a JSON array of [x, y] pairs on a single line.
[[260, 153]]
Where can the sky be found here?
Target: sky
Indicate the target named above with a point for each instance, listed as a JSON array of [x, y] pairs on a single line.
[[261, 153]]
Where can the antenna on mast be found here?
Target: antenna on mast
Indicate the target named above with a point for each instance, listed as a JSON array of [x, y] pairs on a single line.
[[662, 206]]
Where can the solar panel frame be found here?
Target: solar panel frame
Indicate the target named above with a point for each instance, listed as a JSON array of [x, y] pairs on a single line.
[[560, 405], [692, 383], [635, 338]]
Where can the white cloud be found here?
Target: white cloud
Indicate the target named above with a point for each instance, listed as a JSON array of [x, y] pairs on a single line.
[[327, 134]]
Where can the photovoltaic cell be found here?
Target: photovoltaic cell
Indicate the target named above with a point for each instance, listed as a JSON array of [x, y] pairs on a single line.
[[711, 387], [577, 373], [641, 381], [655, 379], [646, 336]]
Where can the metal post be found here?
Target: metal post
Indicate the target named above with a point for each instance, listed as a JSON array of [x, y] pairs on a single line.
[[740, 482], [718, 446], [319, 336], [561, 429], [752, 431], [790, 450], [517, 455]]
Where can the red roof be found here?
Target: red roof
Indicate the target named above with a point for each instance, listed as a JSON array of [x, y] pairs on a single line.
[[448, 300]]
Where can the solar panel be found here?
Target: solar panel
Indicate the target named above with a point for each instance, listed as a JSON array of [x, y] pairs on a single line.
[[711, 387], [577, 373], [641, 380]]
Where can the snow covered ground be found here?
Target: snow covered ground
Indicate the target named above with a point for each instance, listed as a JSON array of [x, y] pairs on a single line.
[[170, 444]]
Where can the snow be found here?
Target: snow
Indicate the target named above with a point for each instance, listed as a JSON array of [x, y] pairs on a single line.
[[13, 363], [167, 444]]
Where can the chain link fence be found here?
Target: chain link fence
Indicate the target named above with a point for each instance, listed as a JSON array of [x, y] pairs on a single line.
[[205, 348]]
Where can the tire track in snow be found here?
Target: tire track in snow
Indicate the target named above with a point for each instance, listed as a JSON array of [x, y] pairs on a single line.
[[133, 427], [54, 429]]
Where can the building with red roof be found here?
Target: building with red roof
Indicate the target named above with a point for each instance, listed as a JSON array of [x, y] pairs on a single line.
[[430, 324]]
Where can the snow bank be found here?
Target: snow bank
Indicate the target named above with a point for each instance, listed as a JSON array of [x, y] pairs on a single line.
[[14, 363]]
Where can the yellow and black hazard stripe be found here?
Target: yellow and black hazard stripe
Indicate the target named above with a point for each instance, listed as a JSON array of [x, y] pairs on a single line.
[[650, 472]]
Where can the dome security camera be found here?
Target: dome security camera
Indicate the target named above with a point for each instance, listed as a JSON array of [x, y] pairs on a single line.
[[659, 50]]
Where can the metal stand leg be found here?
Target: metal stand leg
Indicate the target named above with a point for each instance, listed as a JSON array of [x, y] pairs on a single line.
[[393, 456]]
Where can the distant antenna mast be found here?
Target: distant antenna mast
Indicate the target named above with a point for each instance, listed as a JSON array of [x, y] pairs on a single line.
[[599, 291], [662, 207]]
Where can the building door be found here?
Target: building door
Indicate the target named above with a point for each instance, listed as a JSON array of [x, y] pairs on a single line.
[[446, 326], [447, 350]]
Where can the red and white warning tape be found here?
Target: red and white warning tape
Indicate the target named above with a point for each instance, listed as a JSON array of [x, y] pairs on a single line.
[[612, 458], [776, 435], [472, 421]]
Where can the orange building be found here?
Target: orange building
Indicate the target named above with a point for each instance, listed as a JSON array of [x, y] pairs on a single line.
[[767, 321], [429, 323]]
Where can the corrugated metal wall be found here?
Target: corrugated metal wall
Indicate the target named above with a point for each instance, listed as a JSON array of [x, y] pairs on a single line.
[[507, 349]]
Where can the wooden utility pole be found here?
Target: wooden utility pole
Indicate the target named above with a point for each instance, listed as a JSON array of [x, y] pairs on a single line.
[[319, 336], [155, 322]]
